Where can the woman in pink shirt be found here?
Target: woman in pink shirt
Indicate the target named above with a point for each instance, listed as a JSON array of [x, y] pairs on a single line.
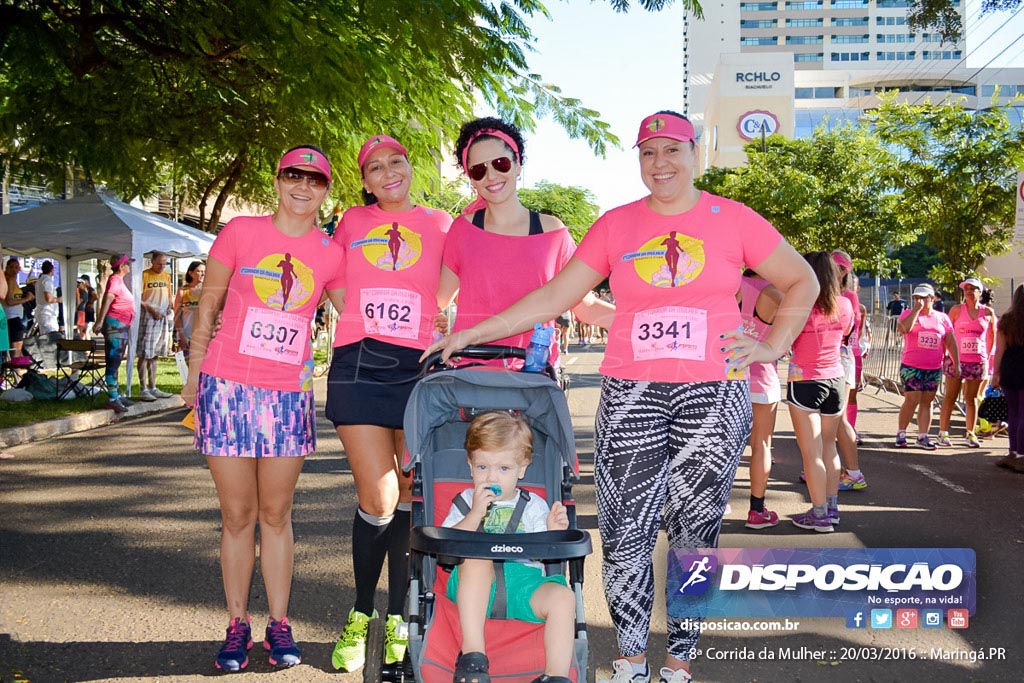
[[499, 250], [392, 268], [974, 327], [816, 393], [117, 310], [853, 365], [925, 333], [675, 405], [251, 385]]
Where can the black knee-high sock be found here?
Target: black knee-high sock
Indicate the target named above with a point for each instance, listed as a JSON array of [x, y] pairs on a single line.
[[369, 546], [398, 562]]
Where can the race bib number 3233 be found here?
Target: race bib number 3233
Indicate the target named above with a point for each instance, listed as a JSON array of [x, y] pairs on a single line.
[[678, 332]]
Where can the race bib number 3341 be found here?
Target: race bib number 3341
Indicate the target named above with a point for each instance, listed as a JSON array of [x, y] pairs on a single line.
[[678, 332]]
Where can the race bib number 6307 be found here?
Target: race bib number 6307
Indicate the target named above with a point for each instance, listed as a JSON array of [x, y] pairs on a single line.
[[678, 332]]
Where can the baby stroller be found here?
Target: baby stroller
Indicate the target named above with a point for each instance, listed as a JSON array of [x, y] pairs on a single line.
[[439, 412]]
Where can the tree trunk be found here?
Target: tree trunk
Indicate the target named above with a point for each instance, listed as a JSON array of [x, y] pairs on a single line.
[[234, 175]]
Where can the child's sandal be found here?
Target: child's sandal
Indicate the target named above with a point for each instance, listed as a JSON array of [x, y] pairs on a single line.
[[472, 667]]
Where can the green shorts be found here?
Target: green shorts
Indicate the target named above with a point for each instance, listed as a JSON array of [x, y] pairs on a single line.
[[521, 580]]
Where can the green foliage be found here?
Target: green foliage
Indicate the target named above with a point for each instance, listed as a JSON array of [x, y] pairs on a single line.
[[574, 206], [944, 16], [206, 94], [450, 196], [956, 172], [831, 191], [917, 259]]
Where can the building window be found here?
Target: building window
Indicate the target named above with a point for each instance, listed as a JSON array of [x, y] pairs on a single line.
[[839, 40], [850, 56], [896, 56], [849, 21], [931, 37], [941, 54], [827, 93], [895, 37], [804, 93], [808, 56], [758, 6], [804, 23], [893, 4], [860, 92], [804, 40], [758, 23], [804, 5], [849, 4], [989, 90], [890, 21], [760, 40]]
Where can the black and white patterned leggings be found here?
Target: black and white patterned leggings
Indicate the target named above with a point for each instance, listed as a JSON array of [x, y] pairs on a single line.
[[661, 447]]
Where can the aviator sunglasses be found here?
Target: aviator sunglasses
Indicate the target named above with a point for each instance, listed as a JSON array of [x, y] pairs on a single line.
[[294, 176], [478, 171]]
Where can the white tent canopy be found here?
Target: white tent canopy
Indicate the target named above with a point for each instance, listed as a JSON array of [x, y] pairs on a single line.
[[97, 226]]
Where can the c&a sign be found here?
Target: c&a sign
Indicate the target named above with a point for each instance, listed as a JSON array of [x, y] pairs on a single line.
[[750, 124]]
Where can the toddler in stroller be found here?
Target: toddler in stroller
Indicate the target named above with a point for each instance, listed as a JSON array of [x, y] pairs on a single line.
[[499, 448], [497, 601]]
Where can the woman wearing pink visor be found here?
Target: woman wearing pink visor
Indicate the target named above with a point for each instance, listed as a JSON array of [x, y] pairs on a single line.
[[392, 267], [675, 411], [252, 389]]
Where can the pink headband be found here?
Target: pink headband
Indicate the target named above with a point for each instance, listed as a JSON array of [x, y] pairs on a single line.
[[842, 260], [507, 139]]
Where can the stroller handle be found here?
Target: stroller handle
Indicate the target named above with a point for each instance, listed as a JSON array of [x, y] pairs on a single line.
[[459, 543], [479, 352]]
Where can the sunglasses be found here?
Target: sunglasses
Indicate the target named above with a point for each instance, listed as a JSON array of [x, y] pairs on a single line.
[[294, 176], [478, 171]]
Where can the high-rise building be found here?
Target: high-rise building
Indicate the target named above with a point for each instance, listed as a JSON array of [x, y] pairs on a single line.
[[756, 68]]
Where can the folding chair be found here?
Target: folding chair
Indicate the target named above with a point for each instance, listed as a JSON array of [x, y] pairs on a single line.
[[87, 372], [13, 369]]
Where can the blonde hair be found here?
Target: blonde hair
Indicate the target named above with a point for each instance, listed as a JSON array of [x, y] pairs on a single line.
[[496, 431]]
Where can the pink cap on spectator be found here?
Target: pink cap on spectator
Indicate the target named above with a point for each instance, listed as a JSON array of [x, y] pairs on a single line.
[[376, 142], [665, 126], [118, 261], [842, 259], [306, 156]]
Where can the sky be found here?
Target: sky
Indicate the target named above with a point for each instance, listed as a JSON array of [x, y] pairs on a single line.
[[629, 65]]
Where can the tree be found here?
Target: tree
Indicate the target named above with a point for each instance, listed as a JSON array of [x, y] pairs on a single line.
[[206, 94], [574, 206], [956, 171], [944, 15], [833, 190]]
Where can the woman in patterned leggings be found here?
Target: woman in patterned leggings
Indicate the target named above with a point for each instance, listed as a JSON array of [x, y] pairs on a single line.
[[675, 410]]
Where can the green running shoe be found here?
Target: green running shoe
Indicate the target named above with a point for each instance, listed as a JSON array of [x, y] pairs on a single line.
[[396, 639], [350, 650]]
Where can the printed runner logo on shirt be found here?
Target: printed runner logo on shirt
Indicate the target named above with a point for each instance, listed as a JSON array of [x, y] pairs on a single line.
[[391, 247], [281, 281], [668, 260]]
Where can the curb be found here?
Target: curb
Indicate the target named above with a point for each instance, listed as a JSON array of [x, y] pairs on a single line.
[[80, 422]]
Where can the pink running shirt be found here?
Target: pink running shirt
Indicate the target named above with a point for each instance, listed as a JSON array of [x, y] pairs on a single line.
[[392, 269], [675, 280], [122, 308], [816, 348], [855, 335], [923, 347], [972, 335], [275, 286], [495, 271]]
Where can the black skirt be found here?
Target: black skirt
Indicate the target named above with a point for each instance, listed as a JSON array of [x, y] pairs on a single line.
[[370, 382]]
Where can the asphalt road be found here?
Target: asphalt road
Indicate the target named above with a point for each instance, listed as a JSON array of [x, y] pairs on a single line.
[[109, 567]]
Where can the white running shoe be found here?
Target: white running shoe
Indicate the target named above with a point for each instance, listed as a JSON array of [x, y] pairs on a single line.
[[623, 673], [675, 675]]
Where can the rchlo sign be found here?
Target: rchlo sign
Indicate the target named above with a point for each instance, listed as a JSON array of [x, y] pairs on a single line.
[[751, 124]]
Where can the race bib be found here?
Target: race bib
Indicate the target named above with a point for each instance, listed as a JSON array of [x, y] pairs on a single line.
[[929, 341], [676, 332], [391, 312], [970, 345], [274, 335]]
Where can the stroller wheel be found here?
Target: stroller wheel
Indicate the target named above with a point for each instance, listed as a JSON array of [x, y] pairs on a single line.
[[393, 673], [372, 669]]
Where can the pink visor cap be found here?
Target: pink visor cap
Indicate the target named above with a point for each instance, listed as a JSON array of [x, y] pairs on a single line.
[[377, 142], [665, 126], [306, 156], [842, 259]]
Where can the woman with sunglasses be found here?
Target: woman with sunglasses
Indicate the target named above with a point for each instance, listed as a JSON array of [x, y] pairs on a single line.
[[499, 250], [925, 333], [251, 386], [392, 267], [675, 412], [974, 326]]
